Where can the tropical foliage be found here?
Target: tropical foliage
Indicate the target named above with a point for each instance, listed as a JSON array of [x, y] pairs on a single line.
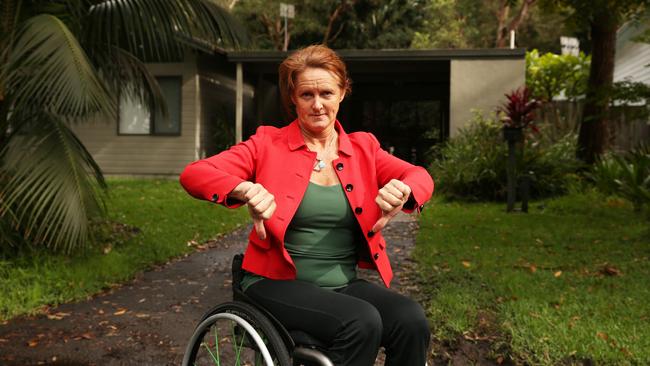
[[64, 62], [518, 111], [471, 165], [626, 175]]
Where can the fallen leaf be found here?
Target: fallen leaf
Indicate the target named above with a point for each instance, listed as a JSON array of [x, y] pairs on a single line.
[[142, 315], [610, 271], [141, 301], [533, 268], [57, 316], [467, 264], [602, 336], [120, 312], [557, 274], [87, 336], [32, 343]]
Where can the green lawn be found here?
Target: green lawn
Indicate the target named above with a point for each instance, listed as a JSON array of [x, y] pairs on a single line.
[[167, 219], [569, 281]]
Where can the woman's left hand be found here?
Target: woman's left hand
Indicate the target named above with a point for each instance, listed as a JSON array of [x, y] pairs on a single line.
[[390, 199]]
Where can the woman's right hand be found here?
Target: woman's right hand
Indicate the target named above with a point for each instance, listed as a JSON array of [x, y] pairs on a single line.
[[260, 202]]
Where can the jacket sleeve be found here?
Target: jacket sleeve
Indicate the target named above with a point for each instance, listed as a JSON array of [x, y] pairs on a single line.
[[213, 178], [416, 177]]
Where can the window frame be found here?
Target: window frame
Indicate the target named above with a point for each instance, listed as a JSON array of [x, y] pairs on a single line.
[[152, 112]]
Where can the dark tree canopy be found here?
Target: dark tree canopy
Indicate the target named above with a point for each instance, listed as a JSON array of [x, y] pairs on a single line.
[[371, 24]]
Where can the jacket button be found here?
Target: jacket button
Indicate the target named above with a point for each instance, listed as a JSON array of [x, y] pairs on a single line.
[[349, 187], [215, 198], [358, 210], [339, 166], [376, 256], [371, 234]]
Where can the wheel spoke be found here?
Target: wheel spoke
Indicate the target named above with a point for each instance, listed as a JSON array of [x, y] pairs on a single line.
[[214, 358], [216, 341], [237, 348], [252, 337]]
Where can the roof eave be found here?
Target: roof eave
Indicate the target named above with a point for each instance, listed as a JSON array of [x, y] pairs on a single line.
[[389, 54]]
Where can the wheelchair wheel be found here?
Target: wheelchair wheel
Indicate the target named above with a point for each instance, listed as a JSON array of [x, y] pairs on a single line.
[[236, 333]]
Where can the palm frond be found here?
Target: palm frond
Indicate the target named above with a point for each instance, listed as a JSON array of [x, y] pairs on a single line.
[[124, 74], [47, 66], [150, 29], [47, 191]]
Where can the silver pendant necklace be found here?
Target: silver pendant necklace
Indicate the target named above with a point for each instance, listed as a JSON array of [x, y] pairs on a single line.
[[319, 165], [320, 162]]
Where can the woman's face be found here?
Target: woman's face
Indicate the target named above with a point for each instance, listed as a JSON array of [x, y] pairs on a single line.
[[317, 96]]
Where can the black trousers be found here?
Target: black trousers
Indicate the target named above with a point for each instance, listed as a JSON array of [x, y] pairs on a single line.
[[355, 320]]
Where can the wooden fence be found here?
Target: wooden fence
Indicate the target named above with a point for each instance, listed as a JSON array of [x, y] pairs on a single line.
[[628, 126]]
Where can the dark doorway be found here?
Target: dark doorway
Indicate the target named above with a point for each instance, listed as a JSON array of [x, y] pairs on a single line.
[[405, 106], [404, 103]]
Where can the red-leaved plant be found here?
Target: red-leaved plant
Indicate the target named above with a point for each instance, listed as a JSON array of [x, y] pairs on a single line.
[[518, 110]]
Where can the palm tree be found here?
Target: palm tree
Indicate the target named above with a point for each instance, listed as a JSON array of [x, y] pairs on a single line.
[[63, 62]]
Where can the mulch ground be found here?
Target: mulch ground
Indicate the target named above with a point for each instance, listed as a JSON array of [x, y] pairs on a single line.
[[149, 320]]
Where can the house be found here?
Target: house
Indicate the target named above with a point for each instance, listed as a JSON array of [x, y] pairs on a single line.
[[632, 60], [631, 125], [410, 99]]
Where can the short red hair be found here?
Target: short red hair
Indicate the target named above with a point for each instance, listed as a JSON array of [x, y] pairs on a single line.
[[315, 56]]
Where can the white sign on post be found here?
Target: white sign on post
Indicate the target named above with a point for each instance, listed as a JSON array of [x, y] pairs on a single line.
[[287, 10], [570, 46]]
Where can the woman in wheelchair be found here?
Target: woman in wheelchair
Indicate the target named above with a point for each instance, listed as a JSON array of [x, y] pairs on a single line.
[[318, 198]]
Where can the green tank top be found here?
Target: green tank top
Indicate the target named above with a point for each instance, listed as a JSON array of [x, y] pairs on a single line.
[[322, 239]]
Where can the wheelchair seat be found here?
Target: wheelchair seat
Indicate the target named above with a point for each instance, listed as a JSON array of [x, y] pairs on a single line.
[[291, 337]]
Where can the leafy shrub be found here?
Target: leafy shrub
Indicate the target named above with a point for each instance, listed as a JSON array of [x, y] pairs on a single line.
[[550, 75], [626, 175], [472, 165]]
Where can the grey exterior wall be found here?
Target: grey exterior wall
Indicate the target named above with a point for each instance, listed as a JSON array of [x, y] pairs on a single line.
[[150, 155], [481, 85]]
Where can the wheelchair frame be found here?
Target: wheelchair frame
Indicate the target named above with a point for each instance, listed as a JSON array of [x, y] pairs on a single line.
[[300, 347]]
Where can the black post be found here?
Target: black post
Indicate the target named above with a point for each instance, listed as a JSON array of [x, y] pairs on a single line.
[[525, 192], [512, 136], [511, 176]]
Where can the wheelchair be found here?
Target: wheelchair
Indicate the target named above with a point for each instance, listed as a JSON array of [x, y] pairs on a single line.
[[243, 333]]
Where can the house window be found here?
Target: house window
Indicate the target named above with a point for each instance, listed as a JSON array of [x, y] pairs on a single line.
[[135, 117]]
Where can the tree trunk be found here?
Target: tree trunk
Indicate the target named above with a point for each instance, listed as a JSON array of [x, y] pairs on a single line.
[[274, 30], [504, 32], [338, 11], [502, 16], [593, 127]]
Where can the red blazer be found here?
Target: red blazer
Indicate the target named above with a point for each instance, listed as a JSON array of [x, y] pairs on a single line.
[[278, 159]]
